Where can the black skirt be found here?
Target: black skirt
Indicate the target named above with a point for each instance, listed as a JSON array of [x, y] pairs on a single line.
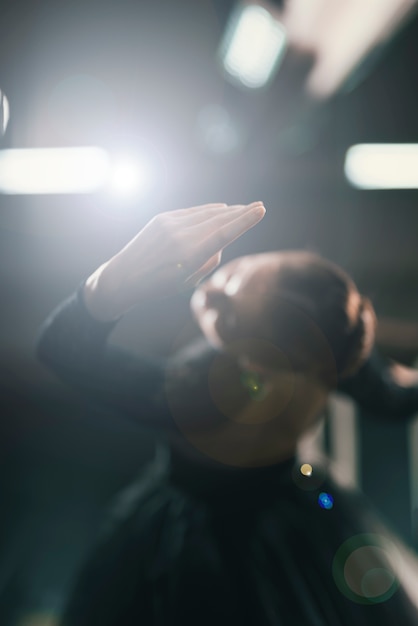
[[267, 547]]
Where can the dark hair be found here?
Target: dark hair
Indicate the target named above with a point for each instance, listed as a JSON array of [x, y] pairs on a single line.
[[318, 318]]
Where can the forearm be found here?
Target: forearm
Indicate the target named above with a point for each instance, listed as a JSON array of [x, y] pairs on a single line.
[[100, 293], [75, 347], [70, 335]]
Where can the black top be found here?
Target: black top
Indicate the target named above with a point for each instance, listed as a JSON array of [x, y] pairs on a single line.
[[193, 542], [75, 346]]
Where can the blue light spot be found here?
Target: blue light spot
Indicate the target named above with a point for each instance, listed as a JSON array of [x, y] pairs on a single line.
[[325, 500]]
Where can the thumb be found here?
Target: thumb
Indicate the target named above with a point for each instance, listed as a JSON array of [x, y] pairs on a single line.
[[206, 269]]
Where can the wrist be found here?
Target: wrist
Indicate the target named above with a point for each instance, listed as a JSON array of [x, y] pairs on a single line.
[[99, 294]]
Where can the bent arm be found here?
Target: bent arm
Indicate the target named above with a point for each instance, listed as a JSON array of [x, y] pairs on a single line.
[[383, 389], [74, 345], [172, 252]]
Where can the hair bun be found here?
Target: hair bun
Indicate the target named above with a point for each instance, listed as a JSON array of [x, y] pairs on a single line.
[[360, 339]]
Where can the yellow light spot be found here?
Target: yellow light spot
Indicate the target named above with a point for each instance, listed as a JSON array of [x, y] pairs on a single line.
[[306, 469]]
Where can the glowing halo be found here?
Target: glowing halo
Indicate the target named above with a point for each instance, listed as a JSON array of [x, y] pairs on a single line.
[[364, 569]]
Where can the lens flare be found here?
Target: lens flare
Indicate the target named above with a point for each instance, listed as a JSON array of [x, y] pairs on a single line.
[[306, 469], [128, 176], [325, 501], [364, 569]]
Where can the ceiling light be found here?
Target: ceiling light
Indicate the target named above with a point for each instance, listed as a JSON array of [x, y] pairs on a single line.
[[254, 44], [53, 170], [4, 113], [382, 166]]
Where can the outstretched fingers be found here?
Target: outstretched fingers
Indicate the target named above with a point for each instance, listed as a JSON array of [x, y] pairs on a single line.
[[203, 213], [220, 232], [196, 214]]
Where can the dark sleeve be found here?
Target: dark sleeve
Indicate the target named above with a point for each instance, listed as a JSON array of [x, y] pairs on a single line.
[[376, 391], [75, 346]]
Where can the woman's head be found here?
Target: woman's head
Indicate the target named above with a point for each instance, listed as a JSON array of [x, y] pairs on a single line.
[[303, 305]]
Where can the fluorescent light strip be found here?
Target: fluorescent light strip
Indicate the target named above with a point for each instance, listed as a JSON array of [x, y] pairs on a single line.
[[53, 170], [382, 166], [253, 46], [4, 112]]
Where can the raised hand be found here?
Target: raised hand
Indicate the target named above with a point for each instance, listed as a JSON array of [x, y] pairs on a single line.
[[173, 252]]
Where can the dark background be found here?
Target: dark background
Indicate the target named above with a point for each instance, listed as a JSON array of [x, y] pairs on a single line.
[[149, 68]]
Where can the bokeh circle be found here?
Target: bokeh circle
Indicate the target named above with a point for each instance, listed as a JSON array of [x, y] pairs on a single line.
[[364, 569]]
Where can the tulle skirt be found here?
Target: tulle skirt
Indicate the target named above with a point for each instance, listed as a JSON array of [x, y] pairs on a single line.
[[270, 548]]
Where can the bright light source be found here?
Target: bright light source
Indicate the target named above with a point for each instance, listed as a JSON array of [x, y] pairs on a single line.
[[253, 46], [53, 170], [4, 112], [128, 176], [382, 166], [71, 170]]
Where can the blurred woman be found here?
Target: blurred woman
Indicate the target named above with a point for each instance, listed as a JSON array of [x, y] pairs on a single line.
[[224, 527]]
